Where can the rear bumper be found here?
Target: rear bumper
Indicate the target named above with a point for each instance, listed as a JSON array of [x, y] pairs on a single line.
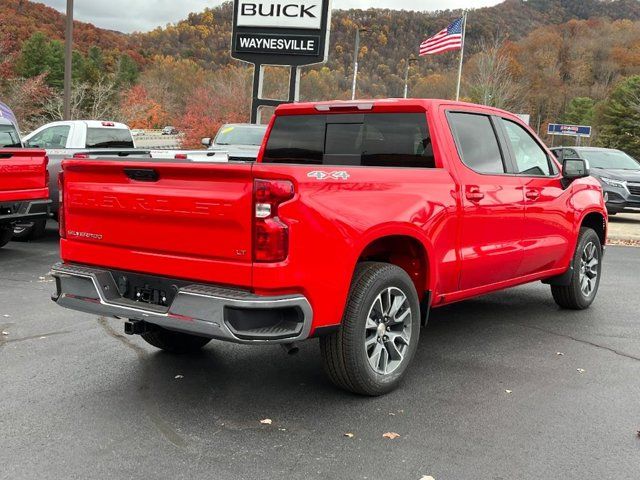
[[28, 210], [210, 311]]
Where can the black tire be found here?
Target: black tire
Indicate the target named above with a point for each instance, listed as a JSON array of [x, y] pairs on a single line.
[[6, 234], [175, 342], [26, 232], [572, 296], [345, 356]]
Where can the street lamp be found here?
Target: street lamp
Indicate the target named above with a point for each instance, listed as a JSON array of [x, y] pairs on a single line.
[[68, 63], [356, 54], [410, 61]]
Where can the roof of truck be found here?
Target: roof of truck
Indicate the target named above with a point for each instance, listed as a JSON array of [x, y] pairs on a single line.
[[379, 105]]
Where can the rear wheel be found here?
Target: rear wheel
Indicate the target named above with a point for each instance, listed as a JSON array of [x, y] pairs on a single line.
[[587, 264], [6, 233], [175, 342], [378, 338]]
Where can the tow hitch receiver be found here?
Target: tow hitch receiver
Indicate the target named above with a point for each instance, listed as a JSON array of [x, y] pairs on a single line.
[[137, 327]]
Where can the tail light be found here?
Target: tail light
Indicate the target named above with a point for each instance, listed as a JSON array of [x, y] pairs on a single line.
[[47, 175], [81, 156], [61, 222], [181, 156], [271, 235]]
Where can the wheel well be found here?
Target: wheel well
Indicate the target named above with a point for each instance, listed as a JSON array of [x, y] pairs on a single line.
[[405, 252], [596, 222]]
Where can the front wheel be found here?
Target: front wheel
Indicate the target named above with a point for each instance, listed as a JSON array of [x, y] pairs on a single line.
[[6, 234], [378, 338], [587, 270], [175, 342]]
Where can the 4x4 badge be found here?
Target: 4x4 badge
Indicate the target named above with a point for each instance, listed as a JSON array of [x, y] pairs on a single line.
[[337, 175]]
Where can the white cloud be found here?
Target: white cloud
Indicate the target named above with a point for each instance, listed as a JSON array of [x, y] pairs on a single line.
[[143, 15]]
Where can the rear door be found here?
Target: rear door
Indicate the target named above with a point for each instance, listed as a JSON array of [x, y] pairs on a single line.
[[183, 220], [22, 174], [493, 203]]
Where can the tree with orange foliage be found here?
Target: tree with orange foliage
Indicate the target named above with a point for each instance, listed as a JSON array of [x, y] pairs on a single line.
[[140, 111]]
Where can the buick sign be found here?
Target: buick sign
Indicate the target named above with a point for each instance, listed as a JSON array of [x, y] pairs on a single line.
[[281, 32], [280, 14]]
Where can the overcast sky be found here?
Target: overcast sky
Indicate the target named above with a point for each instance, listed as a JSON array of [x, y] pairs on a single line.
[[143, 15]]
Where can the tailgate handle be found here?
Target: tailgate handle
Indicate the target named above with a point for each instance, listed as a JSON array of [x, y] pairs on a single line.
[[142, 174], [6, 155]]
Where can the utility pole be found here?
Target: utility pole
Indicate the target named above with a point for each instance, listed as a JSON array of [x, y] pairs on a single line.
[[356, 55], [410, 61], [68, 61]]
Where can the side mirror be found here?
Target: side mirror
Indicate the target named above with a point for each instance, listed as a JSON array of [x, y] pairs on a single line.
[[206, 142], [574, 168]]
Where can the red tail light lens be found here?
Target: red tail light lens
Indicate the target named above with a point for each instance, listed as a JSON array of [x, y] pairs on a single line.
[[271, 234], [61, 223], [81, 156]]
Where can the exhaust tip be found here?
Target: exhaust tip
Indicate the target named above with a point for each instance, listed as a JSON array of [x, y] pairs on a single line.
[[291, 348]]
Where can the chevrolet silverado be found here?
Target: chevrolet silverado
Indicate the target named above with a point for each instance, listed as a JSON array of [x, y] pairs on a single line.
[[356, 220]]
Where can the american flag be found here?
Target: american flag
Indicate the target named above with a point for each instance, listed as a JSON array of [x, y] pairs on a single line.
[[5, 112], [446, 40]]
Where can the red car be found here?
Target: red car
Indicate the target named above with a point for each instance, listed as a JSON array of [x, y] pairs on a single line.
[[357, 219]]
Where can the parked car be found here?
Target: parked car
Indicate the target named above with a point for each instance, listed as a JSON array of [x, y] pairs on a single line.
[[24, 193], [618, 173], [64, 139], [240, 141], [170, 131], [355, 221]]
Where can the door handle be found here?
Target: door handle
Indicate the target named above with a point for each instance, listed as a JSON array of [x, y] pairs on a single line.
[[474, 194], [142, 174], [533, 194]]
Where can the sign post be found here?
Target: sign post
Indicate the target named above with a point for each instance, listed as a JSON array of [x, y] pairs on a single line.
[[281, 33]]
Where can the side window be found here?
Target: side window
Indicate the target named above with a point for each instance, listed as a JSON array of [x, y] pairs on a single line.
[[569, 153], [530, 158], [559, 153], [477, 142], [52, 137]]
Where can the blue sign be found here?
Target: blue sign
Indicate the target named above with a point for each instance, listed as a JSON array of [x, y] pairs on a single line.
[[569, 130]]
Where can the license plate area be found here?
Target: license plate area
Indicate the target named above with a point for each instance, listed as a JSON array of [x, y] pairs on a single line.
[[147, 289]]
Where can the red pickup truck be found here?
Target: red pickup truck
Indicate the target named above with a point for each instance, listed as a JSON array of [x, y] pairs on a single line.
[[24, 188], [356, 219]]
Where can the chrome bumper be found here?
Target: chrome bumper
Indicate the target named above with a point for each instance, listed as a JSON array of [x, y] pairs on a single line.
[[197, 309]]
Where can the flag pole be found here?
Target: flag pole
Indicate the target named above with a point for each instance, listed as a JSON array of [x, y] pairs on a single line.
[[464, 36]]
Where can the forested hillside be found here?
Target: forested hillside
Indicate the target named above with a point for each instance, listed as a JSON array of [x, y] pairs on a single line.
[[554, 59]]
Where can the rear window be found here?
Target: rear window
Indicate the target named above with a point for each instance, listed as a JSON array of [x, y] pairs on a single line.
[[9, 137], [374, 139], [109, 138], [477, 142]]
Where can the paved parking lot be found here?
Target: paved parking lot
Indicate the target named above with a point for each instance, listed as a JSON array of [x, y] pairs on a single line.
[[80, 400], [625, 227]]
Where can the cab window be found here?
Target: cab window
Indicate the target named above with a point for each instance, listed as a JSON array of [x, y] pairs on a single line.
[[52, 137], [530, 158]]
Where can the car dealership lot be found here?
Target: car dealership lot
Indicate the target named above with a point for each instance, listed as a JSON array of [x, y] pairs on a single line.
[[81, 400]]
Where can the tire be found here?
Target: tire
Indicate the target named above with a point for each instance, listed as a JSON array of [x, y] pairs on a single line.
[[6, 234], [29, 231], [175, 342], [350, 355], [583, 289]]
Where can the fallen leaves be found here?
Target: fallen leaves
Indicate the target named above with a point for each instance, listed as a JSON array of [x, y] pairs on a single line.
[[581, 370], [391, 435], [5, 334], [427, 477], [179, 377], [560, 354], [349, 435], [266, 421], [508, 392]]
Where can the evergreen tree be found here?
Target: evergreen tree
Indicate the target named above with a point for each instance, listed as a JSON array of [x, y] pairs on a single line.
[[619, 120], [55, 64], [34, 56], [128, 72], [580, 111]]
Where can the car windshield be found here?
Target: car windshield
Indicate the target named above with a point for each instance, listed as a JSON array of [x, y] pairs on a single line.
[[9, 137], [240, 135], [610, 159]]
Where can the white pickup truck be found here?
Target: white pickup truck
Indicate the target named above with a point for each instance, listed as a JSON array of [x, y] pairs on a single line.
[[63, 140]]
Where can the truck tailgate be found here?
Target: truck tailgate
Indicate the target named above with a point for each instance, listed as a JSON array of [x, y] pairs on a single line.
[[183, 220], [23, 174]]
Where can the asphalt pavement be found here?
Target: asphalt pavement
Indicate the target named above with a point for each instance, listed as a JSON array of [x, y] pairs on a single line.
[[503, 387]]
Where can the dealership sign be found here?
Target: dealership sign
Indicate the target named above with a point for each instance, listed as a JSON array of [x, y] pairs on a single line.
[[281, 32], [569, 130]]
